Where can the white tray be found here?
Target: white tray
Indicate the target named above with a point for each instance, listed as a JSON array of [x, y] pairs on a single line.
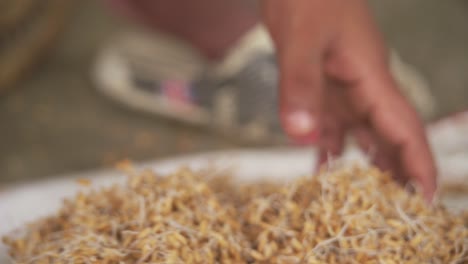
[[24, 203]]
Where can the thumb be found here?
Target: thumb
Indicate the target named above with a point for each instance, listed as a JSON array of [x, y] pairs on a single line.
[[301, 93]]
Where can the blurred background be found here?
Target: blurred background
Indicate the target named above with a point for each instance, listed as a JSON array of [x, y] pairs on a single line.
[[54, 119]]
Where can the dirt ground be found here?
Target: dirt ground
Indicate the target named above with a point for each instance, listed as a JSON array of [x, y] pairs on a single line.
[[55, 121]]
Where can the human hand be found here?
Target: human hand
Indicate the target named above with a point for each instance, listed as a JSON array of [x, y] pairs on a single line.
[[335, 79]]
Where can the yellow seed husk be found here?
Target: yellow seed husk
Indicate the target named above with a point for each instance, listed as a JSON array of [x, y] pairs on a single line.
[[346, 215]]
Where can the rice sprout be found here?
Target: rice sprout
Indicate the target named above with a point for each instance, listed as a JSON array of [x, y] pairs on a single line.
[[350, 215]]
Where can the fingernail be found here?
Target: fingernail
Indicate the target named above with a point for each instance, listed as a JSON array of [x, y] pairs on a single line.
[[302, 127]]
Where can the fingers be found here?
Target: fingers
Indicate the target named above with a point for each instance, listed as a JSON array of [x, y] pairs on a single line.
[[417, 161], [332, 140], [382, 156], [356, 57], [395, 124], [301, 102], [301, 89], [398, 125], [300, 44]]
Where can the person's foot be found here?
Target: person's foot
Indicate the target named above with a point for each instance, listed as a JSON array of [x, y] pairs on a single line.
[[236, 95]]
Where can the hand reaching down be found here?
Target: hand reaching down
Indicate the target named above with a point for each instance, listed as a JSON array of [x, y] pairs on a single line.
[[335, 80]]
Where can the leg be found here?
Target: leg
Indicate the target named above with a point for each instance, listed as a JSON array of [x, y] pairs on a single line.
[[211, 26]]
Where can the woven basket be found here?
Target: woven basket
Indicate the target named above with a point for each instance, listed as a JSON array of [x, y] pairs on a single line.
[[28, 29]]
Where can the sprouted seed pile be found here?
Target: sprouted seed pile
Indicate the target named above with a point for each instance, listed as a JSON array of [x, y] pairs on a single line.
[[350, 215]]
